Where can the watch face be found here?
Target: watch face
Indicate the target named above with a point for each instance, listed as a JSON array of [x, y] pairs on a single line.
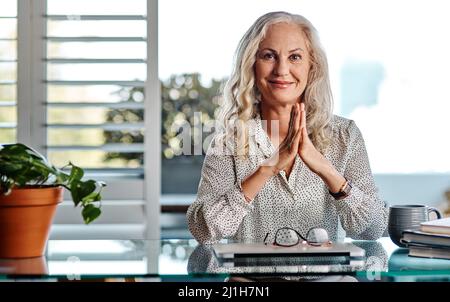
[[347, 188]]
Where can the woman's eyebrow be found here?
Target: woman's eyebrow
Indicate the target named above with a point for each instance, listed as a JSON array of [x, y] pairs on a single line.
[[289, 50], [296, 49]]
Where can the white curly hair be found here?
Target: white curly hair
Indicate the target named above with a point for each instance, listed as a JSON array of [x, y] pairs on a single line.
[[240, 91]]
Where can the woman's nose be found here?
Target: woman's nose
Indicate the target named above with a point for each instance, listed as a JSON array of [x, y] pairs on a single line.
[[281, 68]]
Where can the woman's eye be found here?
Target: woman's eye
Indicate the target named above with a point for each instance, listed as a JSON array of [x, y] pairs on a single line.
[[296, 57], [268, 56]]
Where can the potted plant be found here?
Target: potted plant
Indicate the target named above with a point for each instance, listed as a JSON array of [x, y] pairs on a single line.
[[30, 190]]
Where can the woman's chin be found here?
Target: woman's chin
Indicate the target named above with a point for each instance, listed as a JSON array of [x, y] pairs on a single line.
[[283, 100]]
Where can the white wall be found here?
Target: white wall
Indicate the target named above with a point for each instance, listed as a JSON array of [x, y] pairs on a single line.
[[426, 189]]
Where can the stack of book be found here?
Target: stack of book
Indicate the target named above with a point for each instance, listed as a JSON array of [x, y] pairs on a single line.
[[431, 241]]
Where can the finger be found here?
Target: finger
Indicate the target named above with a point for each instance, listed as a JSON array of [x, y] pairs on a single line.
[[304, 134], [295, 117], [300, 122], [292, 122], [292, 118], [298, 138], [292, 147], [303, 114], [296, 142], [298, 117]]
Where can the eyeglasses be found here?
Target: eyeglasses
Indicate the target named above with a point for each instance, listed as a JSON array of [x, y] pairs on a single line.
[[289, 237]]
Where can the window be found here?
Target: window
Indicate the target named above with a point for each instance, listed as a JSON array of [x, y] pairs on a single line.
[[388, 63], [8, 71], [88, 93], [96, 71]]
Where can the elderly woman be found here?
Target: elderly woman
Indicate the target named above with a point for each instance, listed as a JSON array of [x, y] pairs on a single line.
[[283, 159]]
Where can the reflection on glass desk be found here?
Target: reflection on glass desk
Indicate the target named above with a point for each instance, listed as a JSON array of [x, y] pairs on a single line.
[[176, 259]]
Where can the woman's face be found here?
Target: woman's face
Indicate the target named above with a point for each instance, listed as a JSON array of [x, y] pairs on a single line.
[[282, 64]]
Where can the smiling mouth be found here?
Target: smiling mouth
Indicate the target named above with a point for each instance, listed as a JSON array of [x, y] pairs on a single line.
[[280, 84]]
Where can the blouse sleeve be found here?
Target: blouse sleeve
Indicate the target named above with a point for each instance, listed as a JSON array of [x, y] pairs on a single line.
[[220, 205], [363, 214]]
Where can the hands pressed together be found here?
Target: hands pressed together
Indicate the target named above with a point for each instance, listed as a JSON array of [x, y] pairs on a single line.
[[297, 142]]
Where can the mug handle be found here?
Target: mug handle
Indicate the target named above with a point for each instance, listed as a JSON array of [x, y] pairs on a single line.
[[438, 213]]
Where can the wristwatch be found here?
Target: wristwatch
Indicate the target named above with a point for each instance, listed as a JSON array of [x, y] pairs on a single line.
[[344, 191]]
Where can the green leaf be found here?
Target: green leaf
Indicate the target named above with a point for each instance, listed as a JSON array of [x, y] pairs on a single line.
[[90, 213], [75, 174], [93, 197], [10, 167], [80, 189], [62, 177]]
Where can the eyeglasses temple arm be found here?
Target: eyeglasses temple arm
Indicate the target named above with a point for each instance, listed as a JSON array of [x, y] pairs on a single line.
[[265, 238]]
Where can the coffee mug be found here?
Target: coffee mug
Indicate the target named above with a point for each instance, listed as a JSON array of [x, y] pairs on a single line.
[[407, 217]]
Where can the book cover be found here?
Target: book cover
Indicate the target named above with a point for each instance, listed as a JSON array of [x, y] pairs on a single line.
[[424, 238], [429, 252], [438, 226]]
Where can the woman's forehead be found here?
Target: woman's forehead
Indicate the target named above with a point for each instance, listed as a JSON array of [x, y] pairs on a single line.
[[284, 35]]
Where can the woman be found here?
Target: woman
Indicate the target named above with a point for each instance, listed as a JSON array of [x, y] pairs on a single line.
[[284, 160]]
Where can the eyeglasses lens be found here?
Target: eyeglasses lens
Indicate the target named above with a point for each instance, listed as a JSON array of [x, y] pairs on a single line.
[[317, 236], [286, 237]]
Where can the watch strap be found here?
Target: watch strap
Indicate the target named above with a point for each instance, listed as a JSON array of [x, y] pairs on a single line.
[[344, 190]]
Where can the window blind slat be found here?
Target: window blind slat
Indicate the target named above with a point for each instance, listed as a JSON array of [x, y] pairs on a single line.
[[8, 125], [95, 17], [95, 39], [7, 103], [119, 105], [118, 173], [124, 148], [106, 126], [87, 83], [93, 61]]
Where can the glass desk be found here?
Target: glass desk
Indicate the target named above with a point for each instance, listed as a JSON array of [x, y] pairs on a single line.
[[186, 260]]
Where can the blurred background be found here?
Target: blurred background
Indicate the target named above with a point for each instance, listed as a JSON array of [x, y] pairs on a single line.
[[78, 78]]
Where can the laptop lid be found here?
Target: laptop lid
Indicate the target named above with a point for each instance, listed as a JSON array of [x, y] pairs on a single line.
[[233, 250]]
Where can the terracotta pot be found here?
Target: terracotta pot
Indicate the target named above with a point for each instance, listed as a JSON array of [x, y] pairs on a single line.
[[25, 219], [24, 266]]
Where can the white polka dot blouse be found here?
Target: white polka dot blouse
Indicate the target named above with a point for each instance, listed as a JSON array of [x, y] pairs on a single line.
[[301, 201]]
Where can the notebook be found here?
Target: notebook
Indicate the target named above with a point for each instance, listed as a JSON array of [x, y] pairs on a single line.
[[233, 250], [438, 226], [414, 237], [429, 252]]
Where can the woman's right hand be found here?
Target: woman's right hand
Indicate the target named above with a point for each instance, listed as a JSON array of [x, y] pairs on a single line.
[[282, 159], [285, 155]]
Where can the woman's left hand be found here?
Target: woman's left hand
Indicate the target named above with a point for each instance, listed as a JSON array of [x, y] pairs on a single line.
[[315, 161]]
